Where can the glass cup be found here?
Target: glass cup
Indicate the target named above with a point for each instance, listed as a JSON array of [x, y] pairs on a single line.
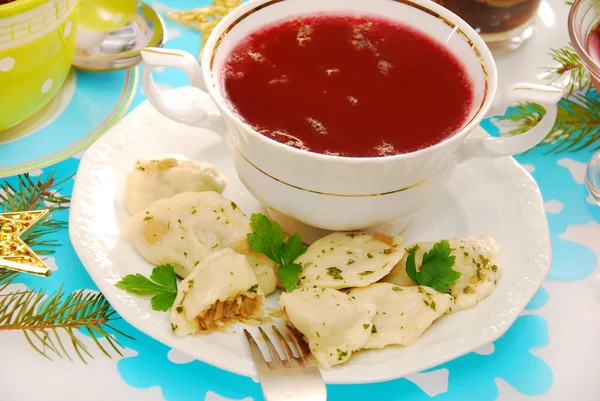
[[106, 15], [584, 31], [503, 24]]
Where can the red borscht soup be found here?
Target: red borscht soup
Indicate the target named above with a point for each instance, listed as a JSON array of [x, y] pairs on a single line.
[[347, 86]]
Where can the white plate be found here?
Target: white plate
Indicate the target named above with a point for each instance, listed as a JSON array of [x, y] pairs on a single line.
[[496, 197]]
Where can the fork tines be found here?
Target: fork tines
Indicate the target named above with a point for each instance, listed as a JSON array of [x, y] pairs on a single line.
[[293, 378], [303, 358]]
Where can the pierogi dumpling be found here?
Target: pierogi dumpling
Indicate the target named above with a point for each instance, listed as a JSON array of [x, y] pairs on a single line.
[[154, 179], [333, 323], [476, 260], [403, 313], [343, 260], [221, 290], [185, 229]]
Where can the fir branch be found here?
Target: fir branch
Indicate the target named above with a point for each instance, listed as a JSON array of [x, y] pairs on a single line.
[[6, 277], [42, 318], [41, 193], [577, 124], [31, 195], [571, 64]]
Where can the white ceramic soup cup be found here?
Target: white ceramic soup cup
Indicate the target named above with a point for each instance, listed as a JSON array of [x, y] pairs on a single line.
[[344, 193]]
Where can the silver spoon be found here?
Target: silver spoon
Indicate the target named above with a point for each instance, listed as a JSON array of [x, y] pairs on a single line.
[[118, 49]]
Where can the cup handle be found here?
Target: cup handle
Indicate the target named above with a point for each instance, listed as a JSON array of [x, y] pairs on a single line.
[[195, 114], [489, 146]]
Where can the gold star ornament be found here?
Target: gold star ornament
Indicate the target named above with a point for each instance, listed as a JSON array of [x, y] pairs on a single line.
[[204, 19], [14, 253]]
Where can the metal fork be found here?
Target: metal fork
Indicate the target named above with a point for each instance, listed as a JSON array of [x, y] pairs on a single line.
[[290, 379]]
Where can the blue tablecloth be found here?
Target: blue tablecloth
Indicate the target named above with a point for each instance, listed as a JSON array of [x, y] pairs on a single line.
[[551, 352]]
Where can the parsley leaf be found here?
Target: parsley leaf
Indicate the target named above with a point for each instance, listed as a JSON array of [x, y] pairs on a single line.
[[162, 285], [268, 238], [292, 249], [436, 267], [163, 301], [289, 274]]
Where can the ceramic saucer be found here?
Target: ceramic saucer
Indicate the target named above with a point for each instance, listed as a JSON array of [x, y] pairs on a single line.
[[496, 197], [84, 108]]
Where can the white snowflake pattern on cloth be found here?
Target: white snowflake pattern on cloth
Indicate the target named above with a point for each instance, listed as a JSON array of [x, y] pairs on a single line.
[[17, 355], [530, 168], [50, 261], [210, 396], [486, 349], [554, 206], [179, 357], [577, 169], [173, 33], [432, 383], [587, 234]]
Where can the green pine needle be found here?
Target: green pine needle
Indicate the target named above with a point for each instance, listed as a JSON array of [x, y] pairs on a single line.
[[43, 318], [30, 194], [577, 124], [572, 66], [50, 323], [34, 194], [6, 277]]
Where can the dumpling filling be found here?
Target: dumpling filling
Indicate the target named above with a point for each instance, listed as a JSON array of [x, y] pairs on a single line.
[[221, 290], [243, 307]]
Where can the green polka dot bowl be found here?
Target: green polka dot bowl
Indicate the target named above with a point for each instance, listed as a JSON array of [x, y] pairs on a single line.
[[37, 43]]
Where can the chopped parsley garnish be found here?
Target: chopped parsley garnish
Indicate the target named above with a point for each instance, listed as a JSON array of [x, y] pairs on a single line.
[[268, 238], [233, 205], [350, 261], [436, 271], [335, 273], [366, 326], [366, 273], [148, 218], [162, 285], [373, 329], [429, 303], [341, 354], [396, 288], [369, 255], [253, 289]]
